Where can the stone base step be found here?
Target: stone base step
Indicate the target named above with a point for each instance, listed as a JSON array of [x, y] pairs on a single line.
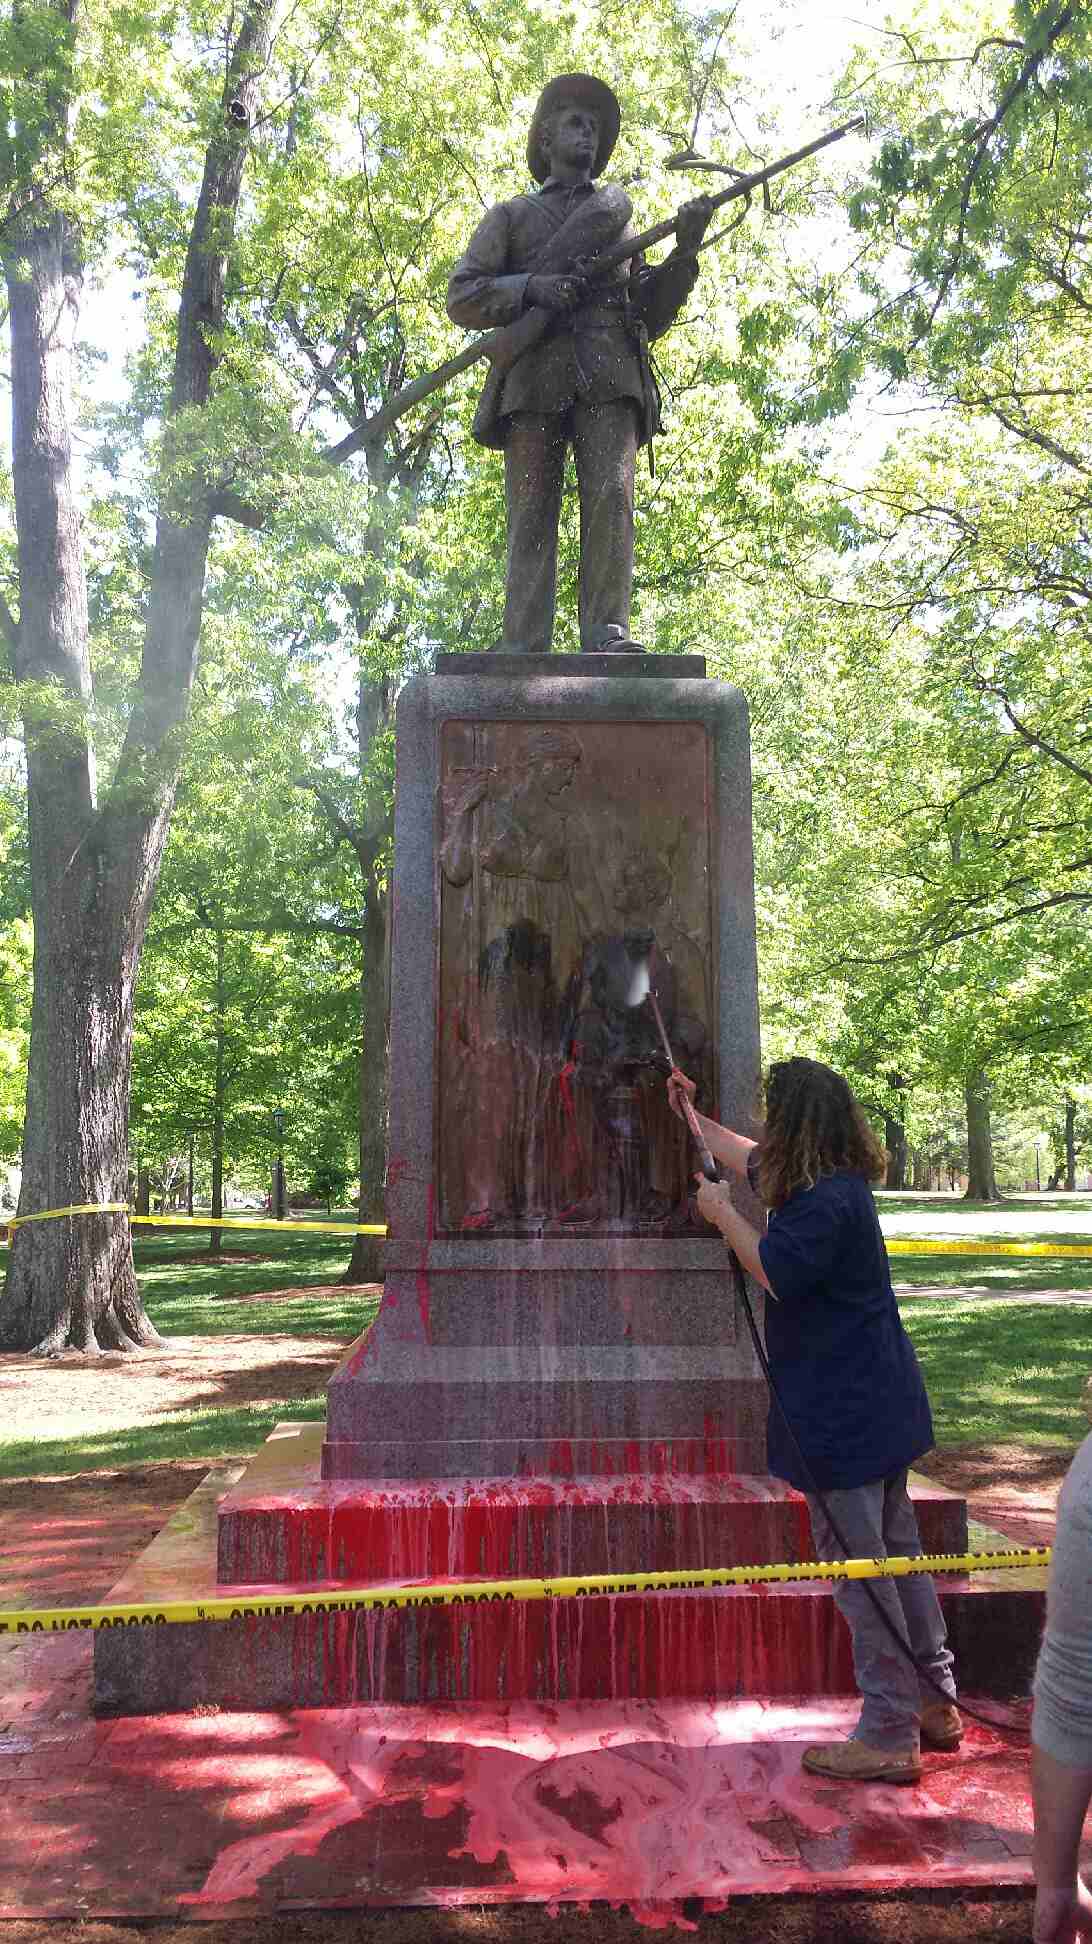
[[771, 1641], [284, 1522]]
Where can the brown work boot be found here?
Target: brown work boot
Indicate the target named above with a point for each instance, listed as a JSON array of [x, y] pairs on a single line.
[[941, 1725], [854, 1761]]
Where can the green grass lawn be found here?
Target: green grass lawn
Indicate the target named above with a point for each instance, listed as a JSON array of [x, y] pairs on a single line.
[[1040, 1219], [206, 1435], [187, 1298], [1003, 1373]]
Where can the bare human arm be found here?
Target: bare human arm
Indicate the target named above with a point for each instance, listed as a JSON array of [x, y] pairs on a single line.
[[714, 1200], [723, 1145], [1063, 1905], [461, 799]]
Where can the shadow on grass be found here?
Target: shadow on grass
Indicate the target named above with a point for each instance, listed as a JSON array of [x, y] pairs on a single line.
[[271, 1383], [893, 1202], [223, 1297], [996, 1274], [207, 1434], [1003, 1373]]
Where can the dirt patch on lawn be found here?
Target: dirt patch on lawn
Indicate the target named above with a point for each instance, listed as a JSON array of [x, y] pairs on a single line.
[[67, 1541], [70, 1397], [1013, 1487], [210, 1255], [314, 1292]]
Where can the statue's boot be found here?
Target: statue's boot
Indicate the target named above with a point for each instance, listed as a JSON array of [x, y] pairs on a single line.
[[611, 639]]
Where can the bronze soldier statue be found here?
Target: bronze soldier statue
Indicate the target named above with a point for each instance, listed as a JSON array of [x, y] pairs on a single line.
[[587, 381]]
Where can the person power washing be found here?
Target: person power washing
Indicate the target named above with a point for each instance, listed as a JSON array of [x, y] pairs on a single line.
[[851, 1389]]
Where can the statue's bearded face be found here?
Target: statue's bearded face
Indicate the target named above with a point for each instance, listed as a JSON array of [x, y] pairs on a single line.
[[571, 136]]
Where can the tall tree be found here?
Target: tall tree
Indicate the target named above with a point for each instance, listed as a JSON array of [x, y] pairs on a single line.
[[281, 392], [95, 853]]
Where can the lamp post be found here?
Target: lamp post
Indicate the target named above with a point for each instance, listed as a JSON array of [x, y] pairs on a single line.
[[143, 1186], [278, 1166], [1038, 1184], [189, 1175]]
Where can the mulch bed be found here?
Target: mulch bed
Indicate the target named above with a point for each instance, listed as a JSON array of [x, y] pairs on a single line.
[[923, 1918], [1013, 1487]]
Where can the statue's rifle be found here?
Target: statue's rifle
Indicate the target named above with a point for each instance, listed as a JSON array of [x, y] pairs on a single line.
[[508, 342]]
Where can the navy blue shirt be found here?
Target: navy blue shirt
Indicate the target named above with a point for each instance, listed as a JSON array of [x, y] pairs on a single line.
[[843, 1363]]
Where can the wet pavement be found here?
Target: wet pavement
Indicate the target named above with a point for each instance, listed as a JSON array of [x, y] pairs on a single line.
[[646, 1804]]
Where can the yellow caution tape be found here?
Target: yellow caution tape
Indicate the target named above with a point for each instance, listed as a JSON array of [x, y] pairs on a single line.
[[492, 1592], [263, 1222], [930, 1245], [911, 1245], [74, 1208], [193, 1221]]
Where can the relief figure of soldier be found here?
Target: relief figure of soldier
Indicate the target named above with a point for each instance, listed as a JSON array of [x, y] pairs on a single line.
[[507, 847]]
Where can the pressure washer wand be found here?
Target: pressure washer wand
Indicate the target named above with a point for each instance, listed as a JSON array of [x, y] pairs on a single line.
[[705, 1157]]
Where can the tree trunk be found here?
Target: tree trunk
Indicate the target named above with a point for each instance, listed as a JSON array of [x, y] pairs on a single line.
[[216, 1235], [981, 1180], [93, 868], [1070, 1146], [74, 1285], [894, 1135], [70, 1281], [369, 841], [366, 1261]]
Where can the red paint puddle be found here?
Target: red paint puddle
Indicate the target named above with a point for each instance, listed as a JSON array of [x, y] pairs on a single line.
[[664, 1810]]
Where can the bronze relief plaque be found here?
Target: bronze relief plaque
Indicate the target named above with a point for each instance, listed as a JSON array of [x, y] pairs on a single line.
[[574, 871]]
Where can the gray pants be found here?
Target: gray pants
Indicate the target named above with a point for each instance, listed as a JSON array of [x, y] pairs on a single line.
[[878, 1521], [604, 441]]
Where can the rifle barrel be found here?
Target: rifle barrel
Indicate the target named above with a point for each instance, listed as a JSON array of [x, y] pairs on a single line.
[[376, 427], [633, 245]]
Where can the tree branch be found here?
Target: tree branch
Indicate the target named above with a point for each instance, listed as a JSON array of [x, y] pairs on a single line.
[[1033, 436], [983, 138], [932, 945], [1030, 735], [9, 627]]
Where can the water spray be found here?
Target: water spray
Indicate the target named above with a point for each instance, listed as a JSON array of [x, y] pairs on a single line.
[[641, 989]]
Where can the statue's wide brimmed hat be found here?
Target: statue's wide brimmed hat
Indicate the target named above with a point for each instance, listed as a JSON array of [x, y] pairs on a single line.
[[589, 92]]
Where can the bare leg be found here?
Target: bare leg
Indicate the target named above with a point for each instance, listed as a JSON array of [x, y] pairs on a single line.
[[1063, 1906], [534, 465]]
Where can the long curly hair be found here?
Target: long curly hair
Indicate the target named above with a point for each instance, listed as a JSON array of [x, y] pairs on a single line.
[[814, 1125]]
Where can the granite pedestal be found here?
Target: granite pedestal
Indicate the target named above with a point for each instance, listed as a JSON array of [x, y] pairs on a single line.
[[550, 1305]]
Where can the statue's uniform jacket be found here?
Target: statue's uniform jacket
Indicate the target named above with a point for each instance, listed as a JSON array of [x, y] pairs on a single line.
[[594, 355]]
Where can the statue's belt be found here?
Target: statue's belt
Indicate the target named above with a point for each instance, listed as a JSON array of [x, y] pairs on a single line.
[[590, 316], [608, 309]]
